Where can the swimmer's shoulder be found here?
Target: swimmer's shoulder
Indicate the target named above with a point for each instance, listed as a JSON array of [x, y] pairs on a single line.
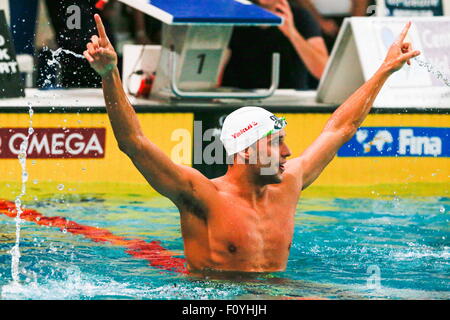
[[198, 180], [201, 193]]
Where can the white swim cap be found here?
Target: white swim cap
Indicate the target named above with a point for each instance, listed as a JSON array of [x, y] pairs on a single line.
[[245, 126]]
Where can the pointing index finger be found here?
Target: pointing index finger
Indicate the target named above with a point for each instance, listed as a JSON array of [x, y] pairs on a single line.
[[402, 36], [100, 27]]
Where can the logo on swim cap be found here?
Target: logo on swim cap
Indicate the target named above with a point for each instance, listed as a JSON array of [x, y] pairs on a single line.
[[280, 123]]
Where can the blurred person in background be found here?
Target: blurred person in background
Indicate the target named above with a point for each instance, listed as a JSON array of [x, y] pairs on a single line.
[[76, 72], [22, 21], [135, 26], [21, 18], [299, 42], [147, 30], [25, 19], [331, 13], [120, 20]]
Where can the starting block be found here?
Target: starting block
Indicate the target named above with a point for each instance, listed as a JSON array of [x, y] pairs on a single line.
[[195, 36]]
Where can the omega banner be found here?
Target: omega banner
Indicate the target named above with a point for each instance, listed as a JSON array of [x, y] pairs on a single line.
[[51, 143]]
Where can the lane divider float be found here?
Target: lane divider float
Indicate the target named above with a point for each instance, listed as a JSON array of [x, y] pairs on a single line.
[[157, 256]]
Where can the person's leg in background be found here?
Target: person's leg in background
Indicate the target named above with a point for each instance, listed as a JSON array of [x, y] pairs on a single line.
[[23, 24], [331, 24]]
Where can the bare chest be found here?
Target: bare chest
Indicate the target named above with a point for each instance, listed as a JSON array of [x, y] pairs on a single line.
[[252, 238]]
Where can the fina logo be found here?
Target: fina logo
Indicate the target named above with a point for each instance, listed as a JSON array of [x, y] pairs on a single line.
[[396, 142], [381, 138], [418, 145]]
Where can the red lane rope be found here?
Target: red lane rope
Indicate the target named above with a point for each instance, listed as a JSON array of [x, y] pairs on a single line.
[[157, 256]]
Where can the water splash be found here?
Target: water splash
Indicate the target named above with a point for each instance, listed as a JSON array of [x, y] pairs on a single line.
[[56, 53], [54, 63], [22, 156], [74, 284], [431, 69]]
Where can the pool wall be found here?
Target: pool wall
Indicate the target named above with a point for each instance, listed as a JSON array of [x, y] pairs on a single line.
[[177, 134]]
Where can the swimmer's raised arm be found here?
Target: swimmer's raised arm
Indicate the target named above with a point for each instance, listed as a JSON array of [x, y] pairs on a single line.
[[174, 181], [346, 119]]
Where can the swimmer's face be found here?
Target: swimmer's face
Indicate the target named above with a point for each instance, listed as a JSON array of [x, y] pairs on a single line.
[[271, 154]]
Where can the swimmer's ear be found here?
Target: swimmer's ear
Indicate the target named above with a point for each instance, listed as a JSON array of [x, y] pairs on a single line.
[[250, 154], [243, 157]]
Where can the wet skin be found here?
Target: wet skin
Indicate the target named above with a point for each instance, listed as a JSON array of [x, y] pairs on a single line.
[[229, 230], [239, 236], [243, 221]]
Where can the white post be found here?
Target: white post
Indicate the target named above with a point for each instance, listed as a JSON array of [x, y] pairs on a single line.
[[4, 5], [381, 8], [446, 4]]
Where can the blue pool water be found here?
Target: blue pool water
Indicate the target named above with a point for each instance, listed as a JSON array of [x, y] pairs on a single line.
[[393, 248]]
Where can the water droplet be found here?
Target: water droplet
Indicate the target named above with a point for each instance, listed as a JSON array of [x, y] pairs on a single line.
[[431, 69], [60, 187]]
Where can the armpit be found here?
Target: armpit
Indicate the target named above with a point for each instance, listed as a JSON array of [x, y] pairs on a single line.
[[187, 203]]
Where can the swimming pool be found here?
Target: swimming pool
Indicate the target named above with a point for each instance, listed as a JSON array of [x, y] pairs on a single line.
[[343, 248]]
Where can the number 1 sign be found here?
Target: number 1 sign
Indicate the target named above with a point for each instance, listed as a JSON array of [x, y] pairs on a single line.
[[200, 52], [202, 65]]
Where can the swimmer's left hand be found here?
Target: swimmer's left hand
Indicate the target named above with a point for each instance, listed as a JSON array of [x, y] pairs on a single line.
[[100, 52], [400, 52]]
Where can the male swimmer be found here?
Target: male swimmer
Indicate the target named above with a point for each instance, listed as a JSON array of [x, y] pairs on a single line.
[[244, 220]]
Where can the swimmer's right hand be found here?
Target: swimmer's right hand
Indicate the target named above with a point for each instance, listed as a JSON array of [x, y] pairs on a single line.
[[100, 53]]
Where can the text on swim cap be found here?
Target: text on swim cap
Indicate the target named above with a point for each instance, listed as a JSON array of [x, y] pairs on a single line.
[[244, 130]]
